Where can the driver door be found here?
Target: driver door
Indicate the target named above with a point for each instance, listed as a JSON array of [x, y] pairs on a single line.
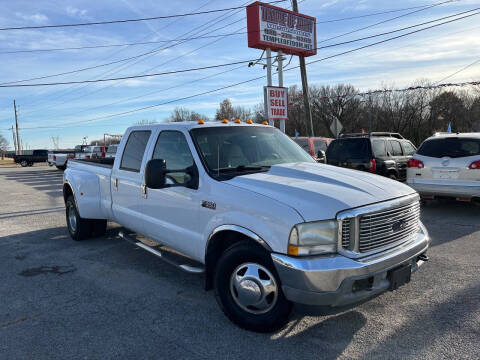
[[171, 213]]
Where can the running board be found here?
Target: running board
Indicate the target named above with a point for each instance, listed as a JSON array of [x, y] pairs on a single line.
[[175, 259]]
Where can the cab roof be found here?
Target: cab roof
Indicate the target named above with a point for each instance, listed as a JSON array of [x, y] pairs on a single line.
[[455, 135]]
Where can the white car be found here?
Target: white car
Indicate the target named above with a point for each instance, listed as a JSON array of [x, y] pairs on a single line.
[[111, 151], [245, 205], [447, 165]]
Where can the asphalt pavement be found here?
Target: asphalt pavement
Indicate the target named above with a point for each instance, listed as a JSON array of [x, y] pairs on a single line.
[[105, 299]]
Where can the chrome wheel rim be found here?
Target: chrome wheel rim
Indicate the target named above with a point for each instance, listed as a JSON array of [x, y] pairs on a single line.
[[72, 219], [253, 288]]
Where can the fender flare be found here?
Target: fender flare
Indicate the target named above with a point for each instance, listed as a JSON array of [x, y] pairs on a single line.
[[240, 229]]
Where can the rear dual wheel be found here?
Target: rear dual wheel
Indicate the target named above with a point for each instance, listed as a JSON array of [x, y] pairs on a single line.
[[80, 228]]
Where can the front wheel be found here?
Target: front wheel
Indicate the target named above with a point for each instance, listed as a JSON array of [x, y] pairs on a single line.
[[24, 163], [248, 289]]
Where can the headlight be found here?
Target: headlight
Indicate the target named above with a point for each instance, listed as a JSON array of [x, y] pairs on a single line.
[[319, 237]]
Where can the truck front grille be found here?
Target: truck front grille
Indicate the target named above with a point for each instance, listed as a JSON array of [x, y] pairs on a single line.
[[375, 230], [346, 233]]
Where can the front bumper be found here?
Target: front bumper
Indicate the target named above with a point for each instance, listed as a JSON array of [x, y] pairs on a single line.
[[466, 190], [330, 280]]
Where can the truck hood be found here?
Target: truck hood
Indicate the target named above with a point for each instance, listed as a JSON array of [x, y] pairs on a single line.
[[318, 191]]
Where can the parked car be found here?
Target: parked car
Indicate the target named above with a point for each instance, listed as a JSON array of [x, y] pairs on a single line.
[[245, 205], [55, 154], [93, 152], [447, 165], [315, 146], [37, 156], [378, 152], [111, 151]]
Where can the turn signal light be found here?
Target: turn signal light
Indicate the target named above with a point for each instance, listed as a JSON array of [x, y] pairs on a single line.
[[414, 163], [293, 250], [372, 165], [225, 121], [475, 165]]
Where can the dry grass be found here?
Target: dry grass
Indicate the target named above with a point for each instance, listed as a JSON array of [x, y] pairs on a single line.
[[6, 162]]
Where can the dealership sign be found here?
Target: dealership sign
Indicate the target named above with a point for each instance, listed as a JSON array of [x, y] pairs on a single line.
[[276, 99], [279, 29]]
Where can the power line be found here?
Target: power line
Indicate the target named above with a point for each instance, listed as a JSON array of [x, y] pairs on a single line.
[[247, 61], [153, 51], [387, 20], [129, 20], [17, 51], [247, 81], [458, 71]]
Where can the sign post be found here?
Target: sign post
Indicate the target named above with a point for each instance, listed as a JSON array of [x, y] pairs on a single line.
[[272, 28]]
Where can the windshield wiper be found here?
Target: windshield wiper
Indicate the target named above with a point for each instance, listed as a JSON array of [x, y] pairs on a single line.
[[242, 169]]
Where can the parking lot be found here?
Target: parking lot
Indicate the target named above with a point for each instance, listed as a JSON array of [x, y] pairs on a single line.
[[104, 298]]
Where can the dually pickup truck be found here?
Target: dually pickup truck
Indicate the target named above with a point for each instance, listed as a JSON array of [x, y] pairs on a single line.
[[244, 204]]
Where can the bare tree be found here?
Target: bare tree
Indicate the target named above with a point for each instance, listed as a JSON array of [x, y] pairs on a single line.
[[180, 114], [146, 122], [3, 146], [225, 111]]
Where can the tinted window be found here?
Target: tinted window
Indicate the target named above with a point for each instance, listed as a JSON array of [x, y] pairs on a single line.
[[173, 148], [451, 147], [408, 148], [378, 147], [348, 149], [134, 150], [112, 149], [395, 148], [319, 145]]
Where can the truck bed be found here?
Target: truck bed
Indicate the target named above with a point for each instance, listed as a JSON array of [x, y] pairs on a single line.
[[106, 163]]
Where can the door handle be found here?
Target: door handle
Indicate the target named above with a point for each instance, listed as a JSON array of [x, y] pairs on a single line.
[[144, 191], [115, 184]]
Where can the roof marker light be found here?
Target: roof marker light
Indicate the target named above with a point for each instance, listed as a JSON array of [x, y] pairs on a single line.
[[249, 121], [225, 121], [238, 121], [201, 122], [265, 123]]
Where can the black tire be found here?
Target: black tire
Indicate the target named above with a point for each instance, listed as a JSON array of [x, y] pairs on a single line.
[[83, 227], [234, 258], [24, 163], [99, 227], [30, 164], [392, 176]]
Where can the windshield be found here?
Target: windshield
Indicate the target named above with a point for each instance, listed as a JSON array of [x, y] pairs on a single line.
[[451, 147], [230, 151]]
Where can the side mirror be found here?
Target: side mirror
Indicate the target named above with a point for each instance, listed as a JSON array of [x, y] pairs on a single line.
[[155, 174], [321, 157]]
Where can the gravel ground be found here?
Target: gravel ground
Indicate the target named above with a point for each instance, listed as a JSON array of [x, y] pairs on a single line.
[[103, 298]]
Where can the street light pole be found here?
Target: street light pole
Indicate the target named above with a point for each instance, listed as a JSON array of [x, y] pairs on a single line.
[[303, 74]]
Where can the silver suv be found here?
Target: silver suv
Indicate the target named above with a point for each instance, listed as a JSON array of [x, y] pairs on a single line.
[[447, 165]]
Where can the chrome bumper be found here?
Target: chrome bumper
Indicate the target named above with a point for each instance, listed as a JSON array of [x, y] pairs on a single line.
[[448, 190], [329, 280]]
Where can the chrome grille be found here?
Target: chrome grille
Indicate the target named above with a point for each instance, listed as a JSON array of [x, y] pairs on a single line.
[[346, 233], [383, 228]]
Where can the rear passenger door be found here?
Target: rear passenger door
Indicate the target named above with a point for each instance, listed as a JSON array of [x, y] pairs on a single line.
[[396, 153], [127, 181]]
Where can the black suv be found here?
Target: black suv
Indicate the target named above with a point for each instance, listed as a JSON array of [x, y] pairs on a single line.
[[380, 153]]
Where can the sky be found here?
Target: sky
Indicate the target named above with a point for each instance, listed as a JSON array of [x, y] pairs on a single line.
[[71, 112]]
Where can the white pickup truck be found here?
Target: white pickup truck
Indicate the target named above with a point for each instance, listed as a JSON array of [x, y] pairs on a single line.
[[248, 207]]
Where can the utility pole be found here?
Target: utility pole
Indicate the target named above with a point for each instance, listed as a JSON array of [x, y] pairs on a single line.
[[280, 83], [14, 140], [303, 74], [19, 148]]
